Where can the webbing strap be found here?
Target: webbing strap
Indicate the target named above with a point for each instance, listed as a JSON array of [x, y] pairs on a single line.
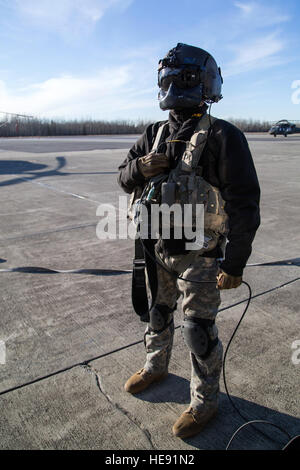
[[158, 137], [199, 138], [141, 261], [138, 288]]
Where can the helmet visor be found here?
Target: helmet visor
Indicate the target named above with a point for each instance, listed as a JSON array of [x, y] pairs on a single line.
[[181, 77]]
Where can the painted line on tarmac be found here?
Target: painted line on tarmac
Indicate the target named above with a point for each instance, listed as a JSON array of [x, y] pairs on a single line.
[[53, 188], [46, 232], [86, 362]]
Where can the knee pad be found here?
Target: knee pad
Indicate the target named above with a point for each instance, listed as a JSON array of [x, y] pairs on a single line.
[[195, 332], [160, 317]]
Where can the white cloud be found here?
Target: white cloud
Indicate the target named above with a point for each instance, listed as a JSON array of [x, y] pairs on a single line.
[[246, 8], [261, 15], [255, 40], [66, 17], [105, 95], [259, 53]]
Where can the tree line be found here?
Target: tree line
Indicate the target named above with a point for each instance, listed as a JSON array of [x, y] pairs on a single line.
[[25, 127]]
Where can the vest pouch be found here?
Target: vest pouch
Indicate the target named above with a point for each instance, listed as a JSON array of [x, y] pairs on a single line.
[[193, 189], [168, 193]]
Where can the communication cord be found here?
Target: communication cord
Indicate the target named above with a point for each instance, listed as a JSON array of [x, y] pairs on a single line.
[[233, 334], [247, 422]]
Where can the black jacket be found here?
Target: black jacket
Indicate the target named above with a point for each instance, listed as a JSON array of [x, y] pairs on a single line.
[[227, 164]]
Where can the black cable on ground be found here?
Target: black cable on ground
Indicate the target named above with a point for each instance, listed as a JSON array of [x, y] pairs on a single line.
[[252, 422], [227, 349], [256, 421], [108, 271]]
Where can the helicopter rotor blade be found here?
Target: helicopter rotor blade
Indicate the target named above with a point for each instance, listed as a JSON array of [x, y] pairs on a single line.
[[15, 114]]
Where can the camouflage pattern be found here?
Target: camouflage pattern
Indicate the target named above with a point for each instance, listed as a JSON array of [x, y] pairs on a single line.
[[199, 300]]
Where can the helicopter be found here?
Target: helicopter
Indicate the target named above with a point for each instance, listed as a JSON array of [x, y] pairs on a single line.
[[284, 127], [2, 124]]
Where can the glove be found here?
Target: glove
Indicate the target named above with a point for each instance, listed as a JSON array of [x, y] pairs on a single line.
[[226, 281], [153, 164]]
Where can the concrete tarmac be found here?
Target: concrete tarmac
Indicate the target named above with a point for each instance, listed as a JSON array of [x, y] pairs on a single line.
[[67, 144], [71, 340]]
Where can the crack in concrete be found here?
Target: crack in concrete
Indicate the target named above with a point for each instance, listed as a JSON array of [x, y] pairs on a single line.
[[83, 363], [116, 405]]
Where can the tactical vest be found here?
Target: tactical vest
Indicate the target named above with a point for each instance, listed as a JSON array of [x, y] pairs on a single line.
[[185, 185]]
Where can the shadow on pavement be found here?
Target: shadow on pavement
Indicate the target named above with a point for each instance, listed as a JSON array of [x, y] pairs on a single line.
[[173, 389], [216, 436], [28, 170], [31, 171], [41, 270], [12, 167]]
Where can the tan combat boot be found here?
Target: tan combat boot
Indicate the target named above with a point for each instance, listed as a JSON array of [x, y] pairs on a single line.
[[192, 422], [141, 380]]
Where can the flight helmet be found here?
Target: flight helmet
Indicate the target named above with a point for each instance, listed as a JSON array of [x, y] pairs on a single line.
[[188, 76]]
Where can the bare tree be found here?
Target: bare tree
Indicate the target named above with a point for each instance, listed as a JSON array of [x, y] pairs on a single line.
[[23, 127]]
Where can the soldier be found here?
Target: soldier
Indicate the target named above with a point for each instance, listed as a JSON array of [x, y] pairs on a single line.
[[189, 79]]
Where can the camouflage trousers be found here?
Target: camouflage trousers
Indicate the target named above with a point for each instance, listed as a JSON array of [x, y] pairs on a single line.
[[200, 301]]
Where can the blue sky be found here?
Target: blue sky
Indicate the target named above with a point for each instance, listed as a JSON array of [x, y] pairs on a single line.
[[98, 58]]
